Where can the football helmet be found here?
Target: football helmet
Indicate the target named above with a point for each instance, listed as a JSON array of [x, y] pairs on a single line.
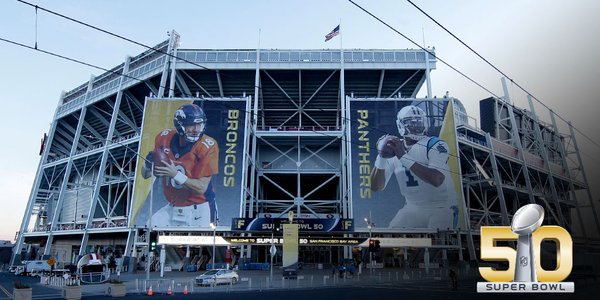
[[412, 122], [187, 115]]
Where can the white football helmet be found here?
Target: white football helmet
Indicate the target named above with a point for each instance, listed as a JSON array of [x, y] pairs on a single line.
[[412, 122]]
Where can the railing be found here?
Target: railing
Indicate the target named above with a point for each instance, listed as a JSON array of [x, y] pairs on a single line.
[[408, 56], [59, 281], [303, 128]]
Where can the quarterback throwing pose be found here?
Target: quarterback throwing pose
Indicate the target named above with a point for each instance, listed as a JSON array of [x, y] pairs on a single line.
[[420, 164], [185, 159]]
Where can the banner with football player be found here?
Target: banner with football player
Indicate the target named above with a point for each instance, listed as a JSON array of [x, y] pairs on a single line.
[[404, 159], [191, 154]]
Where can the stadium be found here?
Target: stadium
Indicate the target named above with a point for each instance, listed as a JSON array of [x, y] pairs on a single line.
[[297, 132]]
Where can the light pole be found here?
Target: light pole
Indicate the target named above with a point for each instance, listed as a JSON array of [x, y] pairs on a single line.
[[370, 225], [150, 196], [272, 251], [214, 228]]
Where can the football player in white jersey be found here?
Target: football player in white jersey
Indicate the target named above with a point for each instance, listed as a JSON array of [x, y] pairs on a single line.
[[420, 164]]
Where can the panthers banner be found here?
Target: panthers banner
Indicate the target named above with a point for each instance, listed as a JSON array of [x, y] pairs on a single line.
[[189, 170], [404, 160]]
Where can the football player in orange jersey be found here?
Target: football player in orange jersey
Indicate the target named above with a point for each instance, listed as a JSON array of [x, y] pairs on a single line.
[[185, 159]]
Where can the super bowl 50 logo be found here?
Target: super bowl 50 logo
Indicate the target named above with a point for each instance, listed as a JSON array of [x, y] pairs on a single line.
[[525, 273]]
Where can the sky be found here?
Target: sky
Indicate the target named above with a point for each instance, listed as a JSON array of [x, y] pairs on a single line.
[[548, 47]]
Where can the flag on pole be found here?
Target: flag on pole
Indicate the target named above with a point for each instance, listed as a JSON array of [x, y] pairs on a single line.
[[333, 33]]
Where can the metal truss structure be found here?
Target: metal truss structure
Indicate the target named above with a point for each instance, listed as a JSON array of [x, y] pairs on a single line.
[[296, 159]]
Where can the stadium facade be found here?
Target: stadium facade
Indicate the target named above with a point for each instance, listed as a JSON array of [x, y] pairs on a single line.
[[297, 150]]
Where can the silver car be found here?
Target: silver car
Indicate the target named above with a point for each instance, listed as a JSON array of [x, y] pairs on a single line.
[[217, 276]]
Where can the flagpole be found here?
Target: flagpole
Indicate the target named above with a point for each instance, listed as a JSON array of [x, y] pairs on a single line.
[[342, 81]]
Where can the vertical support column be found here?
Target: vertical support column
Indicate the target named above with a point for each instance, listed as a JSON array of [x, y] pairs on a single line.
[[63, 187], [471, 243], [565, 166], [516, 140], [585, 180], [173, 66], [100, 178], [34, 189], [497, 180], [544, 152], [426, 260], [459, 243], [165, 73], [427, 74]]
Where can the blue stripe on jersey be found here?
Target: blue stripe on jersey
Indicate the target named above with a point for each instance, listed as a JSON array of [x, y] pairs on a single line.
[[210, 197], [432, 141]]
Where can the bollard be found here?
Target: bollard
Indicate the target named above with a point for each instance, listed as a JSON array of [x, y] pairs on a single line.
[[397, 276], [250, 282], [311, 280], [325, 279]]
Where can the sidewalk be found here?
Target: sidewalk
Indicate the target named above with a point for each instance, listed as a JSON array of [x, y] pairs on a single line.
[[260, 280]]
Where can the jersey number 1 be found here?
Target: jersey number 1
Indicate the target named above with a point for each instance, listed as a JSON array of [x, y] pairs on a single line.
[[411, 180]]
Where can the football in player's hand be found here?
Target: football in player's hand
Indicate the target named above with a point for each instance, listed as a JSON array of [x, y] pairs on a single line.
[[386, 146], [159, 156]]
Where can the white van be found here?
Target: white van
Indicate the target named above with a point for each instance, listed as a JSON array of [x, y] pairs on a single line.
[[32, 268]]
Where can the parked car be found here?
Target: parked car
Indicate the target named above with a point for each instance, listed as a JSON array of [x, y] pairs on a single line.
[[217, 276]]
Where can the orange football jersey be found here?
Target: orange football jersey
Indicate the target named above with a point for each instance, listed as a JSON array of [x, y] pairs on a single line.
[[200, 159]]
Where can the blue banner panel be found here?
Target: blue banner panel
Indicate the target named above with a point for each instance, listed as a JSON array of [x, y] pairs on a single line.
[[304, 225], [404, 162]]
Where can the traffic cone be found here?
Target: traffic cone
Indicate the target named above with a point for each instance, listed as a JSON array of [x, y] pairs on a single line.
[[185, 291], [150, 292], [169, 291]]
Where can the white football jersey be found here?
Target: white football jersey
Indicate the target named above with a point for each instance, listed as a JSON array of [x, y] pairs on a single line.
[[431, 152]]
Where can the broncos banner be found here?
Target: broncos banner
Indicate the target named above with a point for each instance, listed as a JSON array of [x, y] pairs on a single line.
[[190, 160], [404, 163]]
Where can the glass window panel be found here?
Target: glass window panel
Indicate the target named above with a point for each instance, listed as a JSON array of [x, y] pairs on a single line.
[[420, 56], [294, 56], [284, 56], [264, 56], [315, 56], [410, 56], [232, 56], [356, 55], [368, 56], [273, 56], [242, 56], [221, 56], [304, 56], [252, 56], [326, 56], [200, 56], [335, 56], [400, 56], [378, 56], [347, 56], [180, 54], [211, 56]]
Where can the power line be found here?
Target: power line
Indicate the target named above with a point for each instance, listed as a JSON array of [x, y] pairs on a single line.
[[424, 49], [500, 71]]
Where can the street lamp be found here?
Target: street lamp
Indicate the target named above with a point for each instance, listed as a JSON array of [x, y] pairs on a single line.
[[370, 225], [214, 228], [151, 195], [272, 251]]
